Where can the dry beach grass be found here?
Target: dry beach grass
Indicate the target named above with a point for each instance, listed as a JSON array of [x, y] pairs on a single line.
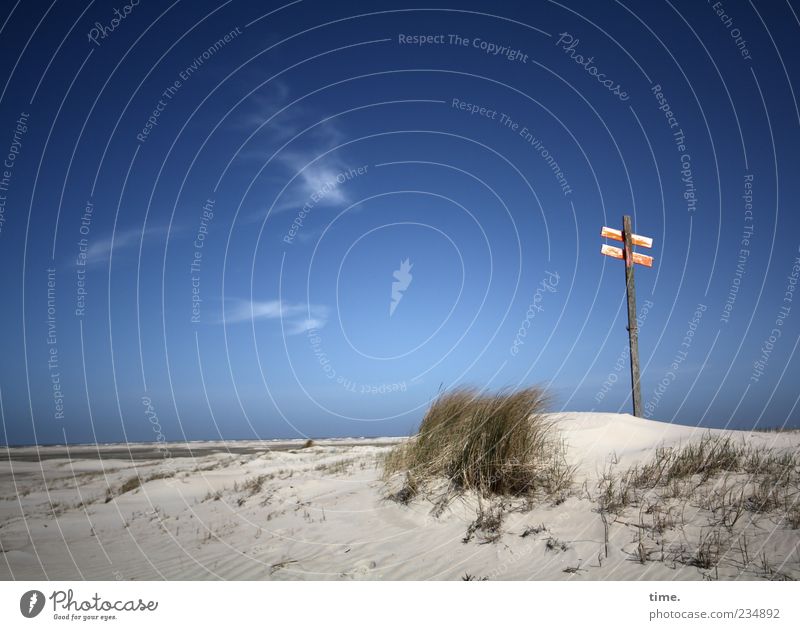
[[494, 444]]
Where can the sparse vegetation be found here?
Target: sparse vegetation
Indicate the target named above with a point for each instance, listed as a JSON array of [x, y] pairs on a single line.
[[708, 552], [280, 565], [407, 491], [488, 524], [130, 485], [729, 483], [251, 486], [494, 444], [213, 495], [161, 474], [757, 479], [793, 517], [537, 529], [338, 467], [713, 455], [472, 578], [616, 491], [554, 544]]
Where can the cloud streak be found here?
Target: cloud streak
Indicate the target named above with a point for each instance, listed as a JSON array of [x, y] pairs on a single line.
[[100, 249], [298, 158], [296, 318]]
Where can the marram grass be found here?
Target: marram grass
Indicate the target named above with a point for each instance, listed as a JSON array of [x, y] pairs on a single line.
[[501, 443]]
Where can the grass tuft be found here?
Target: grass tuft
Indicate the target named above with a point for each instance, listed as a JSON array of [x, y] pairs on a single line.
[[495, 444], [488, 524], [130, 485], [407, 492]]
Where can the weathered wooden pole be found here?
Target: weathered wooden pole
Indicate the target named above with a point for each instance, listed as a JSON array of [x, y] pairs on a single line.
[[633, 329], [631, 258]]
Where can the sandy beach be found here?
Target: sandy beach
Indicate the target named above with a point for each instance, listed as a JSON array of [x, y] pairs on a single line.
[[261, 510]]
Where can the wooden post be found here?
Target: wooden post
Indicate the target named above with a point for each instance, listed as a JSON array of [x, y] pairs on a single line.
[[633, 329], [631, 258]]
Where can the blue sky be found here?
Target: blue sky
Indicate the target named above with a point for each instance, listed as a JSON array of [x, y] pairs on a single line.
[[226, 193]]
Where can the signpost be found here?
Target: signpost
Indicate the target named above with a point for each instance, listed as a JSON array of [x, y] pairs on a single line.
[[626, 253]]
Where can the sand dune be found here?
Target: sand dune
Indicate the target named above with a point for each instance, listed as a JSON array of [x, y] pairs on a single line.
[[321, 513]]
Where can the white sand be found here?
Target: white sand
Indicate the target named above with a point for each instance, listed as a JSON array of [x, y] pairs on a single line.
[[321, 513]]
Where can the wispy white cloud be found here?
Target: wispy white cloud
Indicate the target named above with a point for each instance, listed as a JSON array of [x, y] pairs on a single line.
[[259, 107], [310, 177], [319, 185], [301, 326], [297, 318], [100, 248], [319, 178], [264, 115]]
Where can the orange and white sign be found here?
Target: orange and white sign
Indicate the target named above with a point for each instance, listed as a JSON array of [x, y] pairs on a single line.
[[641, 241], [616, 252]]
